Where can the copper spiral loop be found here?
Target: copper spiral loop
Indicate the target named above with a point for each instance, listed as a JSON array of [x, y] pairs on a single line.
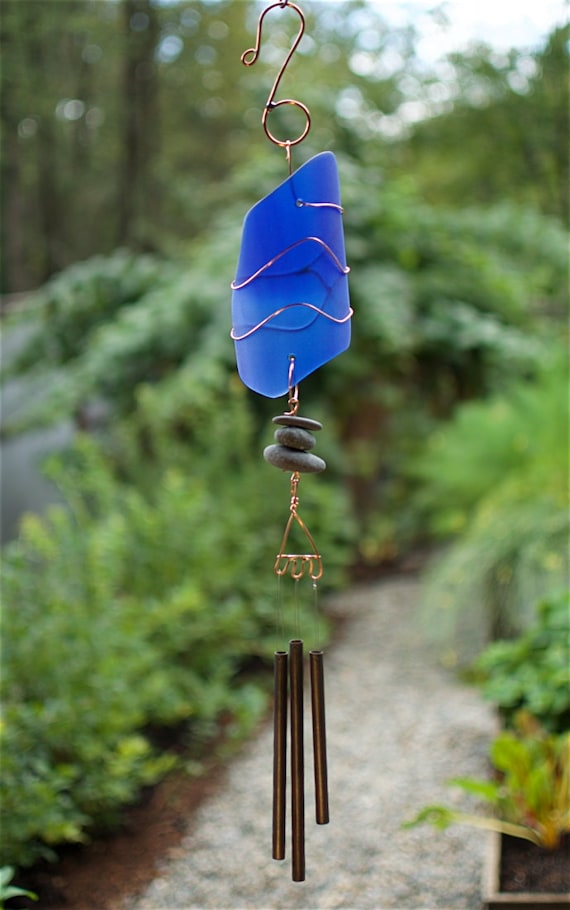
[[250, 56]]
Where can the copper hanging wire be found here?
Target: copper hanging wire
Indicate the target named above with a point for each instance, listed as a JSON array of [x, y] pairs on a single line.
[[250, 56]]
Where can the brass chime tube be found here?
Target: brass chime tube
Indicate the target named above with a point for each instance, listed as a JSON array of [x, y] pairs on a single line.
[[319, 736], [280, 681], [297, 763]]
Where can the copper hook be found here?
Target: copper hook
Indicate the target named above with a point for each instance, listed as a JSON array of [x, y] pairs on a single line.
[[249, 57]]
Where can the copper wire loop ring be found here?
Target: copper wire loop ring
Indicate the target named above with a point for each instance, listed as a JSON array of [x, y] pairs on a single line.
[[285, 143]]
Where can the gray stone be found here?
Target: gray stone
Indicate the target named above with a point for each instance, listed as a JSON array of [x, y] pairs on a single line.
[[295, 438], [293, 460], [295, 420]]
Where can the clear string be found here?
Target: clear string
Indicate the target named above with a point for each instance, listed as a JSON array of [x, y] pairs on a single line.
[[297, 610], [317, 617], [279, 622]]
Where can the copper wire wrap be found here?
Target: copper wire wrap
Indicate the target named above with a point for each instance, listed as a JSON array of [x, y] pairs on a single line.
[[297, 761], [316, 669], [279, 752], [344, 269]]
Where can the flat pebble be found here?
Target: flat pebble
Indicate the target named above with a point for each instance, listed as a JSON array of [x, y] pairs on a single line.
[[295, 420], [294, 460], [295, 438]]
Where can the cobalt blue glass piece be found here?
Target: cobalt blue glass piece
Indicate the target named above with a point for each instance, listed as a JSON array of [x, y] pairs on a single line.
[[290, 294]]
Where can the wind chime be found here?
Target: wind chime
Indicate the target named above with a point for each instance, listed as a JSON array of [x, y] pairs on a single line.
[[291, 315]]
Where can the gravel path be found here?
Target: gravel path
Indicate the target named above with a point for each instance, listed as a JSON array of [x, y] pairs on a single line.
[[398, 727]]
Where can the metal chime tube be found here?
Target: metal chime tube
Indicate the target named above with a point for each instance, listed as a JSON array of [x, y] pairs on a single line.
[[297, 763], [319, 737], [279, 753]]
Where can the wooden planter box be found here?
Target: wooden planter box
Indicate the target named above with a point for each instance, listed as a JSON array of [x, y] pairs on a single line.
[[495, 899]]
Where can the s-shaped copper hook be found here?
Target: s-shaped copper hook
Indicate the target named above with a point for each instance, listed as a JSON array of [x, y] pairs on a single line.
[[249, 57]]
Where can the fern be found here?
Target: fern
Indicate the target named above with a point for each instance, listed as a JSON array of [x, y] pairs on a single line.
[[496, 476]]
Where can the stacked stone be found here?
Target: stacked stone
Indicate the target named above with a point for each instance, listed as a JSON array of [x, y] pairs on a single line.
[[294, 441]]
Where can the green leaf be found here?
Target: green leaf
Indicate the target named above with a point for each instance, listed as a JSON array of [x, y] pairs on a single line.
[[486, 790], [8, 891], [438, 816]]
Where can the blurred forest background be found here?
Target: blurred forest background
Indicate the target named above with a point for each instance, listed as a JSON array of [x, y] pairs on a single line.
[[133, 124], [131, 149]]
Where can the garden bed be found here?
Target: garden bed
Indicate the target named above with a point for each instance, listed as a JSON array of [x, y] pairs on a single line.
[[519, 874]]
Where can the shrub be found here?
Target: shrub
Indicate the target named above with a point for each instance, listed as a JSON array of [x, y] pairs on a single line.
[[532, 671], [496, 476], [140, 604], [449, 306]]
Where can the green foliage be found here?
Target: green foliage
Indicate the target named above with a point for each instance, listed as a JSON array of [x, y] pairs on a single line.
[[82, 173], [515, 437], [139, 605], [155, 567], [83, 178], [8, 891], [497, 476], [531, 798], [532, 671], [67, 317], [449, 306], [75, 303], [72, 698], [516, 101]]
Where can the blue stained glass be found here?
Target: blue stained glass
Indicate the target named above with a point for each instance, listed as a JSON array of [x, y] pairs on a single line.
[[290, 294]]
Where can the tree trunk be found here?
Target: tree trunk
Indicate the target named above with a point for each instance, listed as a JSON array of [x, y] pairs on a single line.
[[140, 117]]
